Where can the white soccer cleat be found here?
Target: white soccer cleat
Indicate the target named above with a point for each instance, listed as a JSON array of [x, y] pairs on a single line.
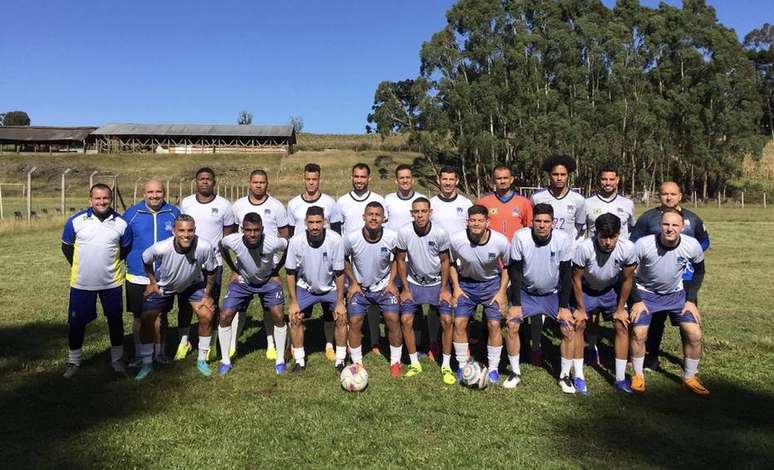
[[565, 383], [512, 380]]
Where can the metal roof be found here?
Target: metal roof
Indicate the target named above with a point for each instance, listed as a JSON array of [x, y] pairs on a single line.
[[44, 133], [195, 130]]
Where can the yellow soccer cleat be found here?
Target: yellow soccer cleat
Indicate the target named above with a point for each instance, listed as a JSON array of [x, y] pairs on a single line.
[[182, 351], [330, 353], [413, 369], [448, 376], [271, 354], [694, 385], [638, 383]]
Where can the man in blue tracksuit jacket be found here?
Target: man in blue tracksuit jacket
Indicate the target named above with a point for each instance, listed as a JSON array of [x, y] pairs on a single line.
[[649, 223], [150, 221]]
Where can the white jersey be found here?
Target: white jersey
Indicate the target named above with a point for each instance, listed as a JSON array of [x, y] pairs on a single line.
[[371, 261], [210, 219], [272, 212], [297, 211], [569, 210], [618, 205], [423, 253], [480, 262], [315, 267], [352, 207], [451, 214], [398, 210], [256, 265], [660, 269], [179, 270], [603, 270], [540, 261]]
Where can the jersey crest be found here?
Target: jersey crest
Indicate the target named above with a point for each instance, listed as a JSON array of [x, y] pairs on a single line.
[[492, 255], [214, 211], [460, 212]]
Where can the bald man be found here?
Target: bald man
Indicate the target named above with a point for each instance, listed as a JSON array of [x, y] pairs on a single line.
[[649, 223], [150, 221]]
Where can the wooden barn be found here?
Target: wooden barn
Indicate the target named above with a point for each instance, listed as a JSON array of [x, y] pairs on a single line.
[[44, 138]]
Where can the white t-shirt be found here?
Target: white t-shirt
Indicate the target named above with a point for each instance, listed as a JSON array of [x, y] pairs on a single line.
[[398, 210], [272, 212], [602, 270], [256, 265], [618, 205], [371, 261], [541, 262], [297, 211], [569, 210], [177, 271], [451, 214], [661, 269], [423, 259], [210, 219], [315, 267], [352, 207], [480, 262]]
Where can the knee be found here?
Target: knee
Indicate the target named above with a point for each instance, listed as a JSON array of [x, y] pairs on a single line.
[[693, 336], [640, 335], [226, 317], [446, 322], [513, 329], [580, 327], [407, 321], [567, 333], [620, 328]]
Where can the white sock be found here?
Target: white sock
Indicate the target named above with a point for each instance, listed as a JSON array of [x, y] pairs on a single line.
[[116, 352], [577, 365], [566, 366], [270, 341], [204, 347], [395, 353], [493, 354], [234, 336], [414, 358], [74, 357], [637, 364], [341, 354], [357, 354], [515, 367], [224, 338], [620, 370], [299, 355], [691, 367], [461, 351], [183, 332], [146, 353], [446, 360], [280, 336]]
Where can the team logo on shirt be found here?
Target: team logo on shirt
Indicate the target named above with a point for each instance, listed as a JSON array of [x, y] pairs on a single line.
[[385, 251], [267, 211], [168, 226], [570, 208], [325, 256], [492, 255], [515, 212], [460, 212], [493, 211], [431, 243], [214, 211]]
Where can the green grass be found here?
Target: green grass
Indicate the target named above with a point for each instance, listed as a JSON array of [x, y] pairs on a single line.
[[255, 419]]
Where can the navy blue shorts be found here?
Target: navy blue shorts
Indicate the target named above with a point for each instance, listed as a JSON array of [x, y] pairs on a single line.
[[604, 302], [163, 302], [673, 304], [307, 300], [424, 295], [83, 304], [533, 305], [239, 295], [359, 303], [478, 293]]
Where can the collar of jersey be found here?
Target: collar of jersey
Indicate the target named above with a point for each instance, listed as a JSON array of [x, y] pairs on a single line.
[[268, 196], [90, 213], [313, 200], [166, 207], [397, 194], [615, 196], [452, 199], [363, 231], [314, 244], [664, 247], [558, 198], [488, 231], [429, 227], [539, 242], [352, 195], [511, 196]]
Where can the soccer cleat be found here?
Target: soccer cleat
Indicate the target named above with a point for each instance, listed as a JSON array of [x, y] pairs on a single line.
[[536, 357], [413, 370], [694, 385], [145, 370], [162, 359], [448, 376], [280, 369], [512, 380], [297, 368], [395, 369], [580, 386], [231, 352], [565, 383], [212, 354], [494, 376], [591, 356], [638, 383], [339, 368], [330, 353], [135, 363], [434, 351], [71, 370], [182, 351], [271, 353], [623, 386], [223, 369], [118, 366], [203, 368], [651, 363]]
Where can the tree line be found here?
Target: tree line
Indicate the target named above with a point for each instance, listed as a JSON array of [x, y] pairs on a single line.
[[664, 93]]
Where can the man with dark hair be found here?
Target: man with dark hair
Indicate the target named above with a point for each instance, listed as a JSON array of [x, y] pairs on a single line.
[[95, 241], [275, 222], [371, 268], [649, 223], [214, 219], [184, 267], [479, 277], [663, 288], [315, 275], [508, 211], [450, 208], [540, 272], [602, 281], [255, 272], [397, 205]]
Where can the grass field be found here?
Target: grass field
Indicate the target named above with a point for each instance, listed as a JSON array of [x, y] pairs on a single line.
[[256, 419]]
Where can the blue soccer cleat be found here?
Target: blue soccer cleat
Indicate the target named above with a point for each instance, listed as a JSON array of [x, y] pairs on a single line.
[[623, 386], [144, 372], [203, 368], [223, 369], [580, 386], [494, 377], [280, 369]]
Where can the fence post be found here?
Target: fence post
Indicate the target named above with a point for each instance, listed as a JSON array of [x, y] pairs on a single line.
[[180, 190], [91, 178], [62, 201], [742, 199], [1, 205], [1, 202], [29, 194], [718, 199]]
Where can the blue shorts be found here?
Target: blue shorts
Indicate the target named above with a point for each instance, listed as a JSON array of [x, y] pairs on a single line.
[[673, 304], [478, 293], [604, 302], [307, 300], [359, 303], [424, 295], [83, 304], [163, 302], [533, 305], [239, 295]]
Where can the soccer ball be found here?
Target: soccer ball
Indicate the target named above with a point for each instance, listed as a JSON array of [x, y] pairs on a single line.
[[354, 378], [474, 376]]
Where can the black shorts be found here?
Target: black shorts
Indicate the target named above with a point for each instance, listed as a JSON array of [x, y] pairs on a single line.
[[135, 297]]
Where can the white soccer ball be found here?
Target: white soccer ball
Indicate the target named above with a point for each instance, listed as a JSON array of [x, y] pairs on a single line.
[[354, 378], [474, 376]]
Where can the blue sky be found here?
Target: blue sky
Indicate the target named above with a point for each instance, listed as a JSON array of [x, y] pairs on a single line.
[[90, 62]]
